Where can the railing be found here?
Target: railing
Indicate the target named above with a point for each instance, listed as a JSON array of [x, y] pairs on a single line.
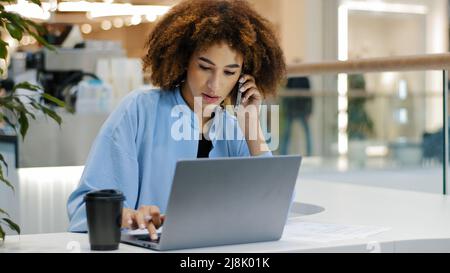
[[302, 93], [429, 62], [405, 63]]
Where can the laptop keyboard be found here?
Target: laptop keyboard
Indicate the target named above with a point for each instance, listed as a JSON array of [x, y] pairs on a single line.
[[146, 237]]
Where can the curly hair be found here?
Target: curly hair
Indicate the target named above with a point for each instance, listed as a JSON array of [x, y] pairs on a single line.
[[195, 25]]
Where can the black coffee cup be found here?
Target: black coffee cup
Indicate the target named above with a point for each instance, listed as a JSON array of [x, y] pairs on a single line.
[[104, 218]]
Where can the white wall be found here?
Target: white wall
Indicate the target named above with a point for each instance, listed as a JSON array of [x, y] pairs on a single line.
[[43, 198]]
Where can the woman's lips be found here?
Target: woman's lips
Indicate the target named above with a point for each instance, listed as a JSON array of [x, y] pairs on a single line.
[[210, 99]]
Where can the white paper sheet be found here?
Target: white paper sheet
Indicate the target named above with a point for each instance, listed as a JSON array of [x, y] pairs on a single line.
[[324, 232]]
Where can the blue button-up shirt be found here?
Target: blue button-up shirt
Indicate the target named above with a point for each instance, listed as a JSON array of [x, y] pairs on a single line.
[[138, 146]]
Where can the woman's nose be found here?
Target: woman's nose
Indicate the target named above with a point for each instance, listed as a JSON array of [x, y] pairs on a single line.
[[214, 83]]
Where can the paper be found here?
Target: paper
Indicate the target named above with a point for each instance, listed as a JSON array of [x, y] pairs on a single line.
[[320, 232]]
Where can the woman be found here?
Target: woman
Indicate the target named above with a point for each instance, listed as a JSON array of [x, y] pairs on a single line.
[[197, 54]]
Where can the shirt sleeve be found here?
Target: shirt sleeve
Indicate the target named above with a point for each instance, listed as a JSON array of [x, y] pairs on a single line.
[[244, 151], [111, 164]]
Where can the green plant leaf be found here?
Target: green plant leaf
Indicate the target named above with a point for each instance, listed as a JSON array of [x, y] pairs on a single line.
[[4, 162], [58, 102], [52, 114], [42, 41], [19, 111], [53, 99], [12, 225], [36, 106], [38, 28], [23, 120], [13, 109], [14, 19], [5, 213], [26, 85], [33, 102], [22, 108], [14, 31], [2, 233], [3, 49], [7, 182], [28, 26], [9, 122]]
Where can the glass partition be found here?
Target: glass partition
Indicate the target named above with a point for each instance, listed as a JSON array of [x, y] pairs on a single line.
[[378, 129]]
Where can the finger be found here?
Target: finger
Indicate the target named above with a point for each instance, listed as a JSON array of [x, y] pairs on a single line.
[[140, 219], [127, 220], [245, 78], [155, 214], [152, 213], [249, 94], [134, 224], [152, 231], [248, 85]]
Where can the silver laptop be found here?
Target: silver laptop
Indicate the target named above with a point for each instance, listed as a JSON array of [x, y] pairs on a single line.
[[225, 201]]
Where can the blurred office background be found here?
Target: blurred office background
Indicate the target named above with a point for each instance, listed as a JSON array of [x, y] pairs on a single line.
[[381, 129]]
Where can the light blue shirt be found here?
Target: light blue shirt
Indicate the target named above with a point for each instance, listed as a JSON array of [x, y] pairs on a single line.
[[137, 149]]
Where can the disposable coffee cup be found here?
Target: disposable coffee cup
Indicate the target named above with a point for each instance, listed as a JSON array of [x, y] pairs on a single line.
[[104, 218]]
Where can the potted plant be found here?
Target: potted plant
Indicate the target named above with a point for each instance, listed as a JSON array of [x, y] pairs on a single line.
[[360, 124], [14, 111]]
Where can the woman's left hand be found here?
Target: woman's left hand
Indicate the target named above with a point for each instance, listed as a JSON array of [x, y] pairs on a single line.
[[251, 104], [250, 92]]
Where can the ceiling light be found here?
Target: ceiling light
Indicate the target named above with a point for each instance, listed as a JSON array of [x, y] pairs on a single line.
[[118, 22], [136, 20], [106, 25], [86, 28]]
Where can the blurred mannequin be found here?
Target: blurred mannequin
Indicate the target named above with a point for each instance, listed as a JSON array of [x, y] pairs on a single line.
[[297, 109], [63, 35]]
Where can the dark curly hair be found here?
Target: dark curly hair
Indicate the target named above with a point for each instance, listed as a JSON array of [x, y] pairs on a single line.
[[195, 25]]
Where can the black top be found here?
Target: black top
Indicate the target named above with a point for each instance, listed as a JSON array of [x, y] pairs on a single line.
[[204, 147]]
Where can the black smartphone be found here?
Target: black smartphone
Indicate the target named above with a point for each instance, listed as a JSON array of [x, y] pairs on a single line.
[[237, 94]]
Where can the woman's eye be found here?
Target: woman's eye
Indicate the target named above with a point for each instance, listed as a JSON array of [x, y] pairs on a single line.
[[204, 67], [228, 73]]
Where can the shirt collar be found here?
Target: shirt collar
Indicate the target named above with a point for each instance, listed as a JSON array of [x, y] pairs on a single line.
[[214, 125], [181, 102]]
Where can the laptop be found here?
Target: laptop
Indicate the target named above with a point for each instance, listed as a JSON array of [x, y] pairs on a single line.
[[225, 201]]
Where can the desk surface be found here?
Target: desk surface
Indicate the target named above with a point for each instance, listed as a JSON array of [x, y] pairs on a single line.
[[419, 222]]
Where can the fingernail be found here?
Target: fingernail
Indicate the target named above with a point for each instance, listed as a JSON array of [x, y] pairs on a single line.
[[130, 222], [154, 237], [142, 226], [242, 89], [241, 80]]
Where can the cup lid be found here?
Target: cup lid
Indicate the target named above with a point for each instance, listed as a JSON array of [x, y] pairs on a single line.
[[105, 195]]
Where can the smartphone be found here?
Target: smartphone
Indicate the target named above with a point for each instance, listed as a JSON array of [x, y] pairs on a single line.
[[238, 95]]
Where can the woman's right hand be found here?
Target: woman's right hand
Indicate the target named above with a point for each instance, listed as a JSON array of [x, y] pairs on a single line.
[[146, 217]]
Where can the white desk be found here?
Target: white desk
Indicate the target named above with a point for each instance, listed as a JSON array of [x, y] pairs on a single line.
[[419, 222]]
